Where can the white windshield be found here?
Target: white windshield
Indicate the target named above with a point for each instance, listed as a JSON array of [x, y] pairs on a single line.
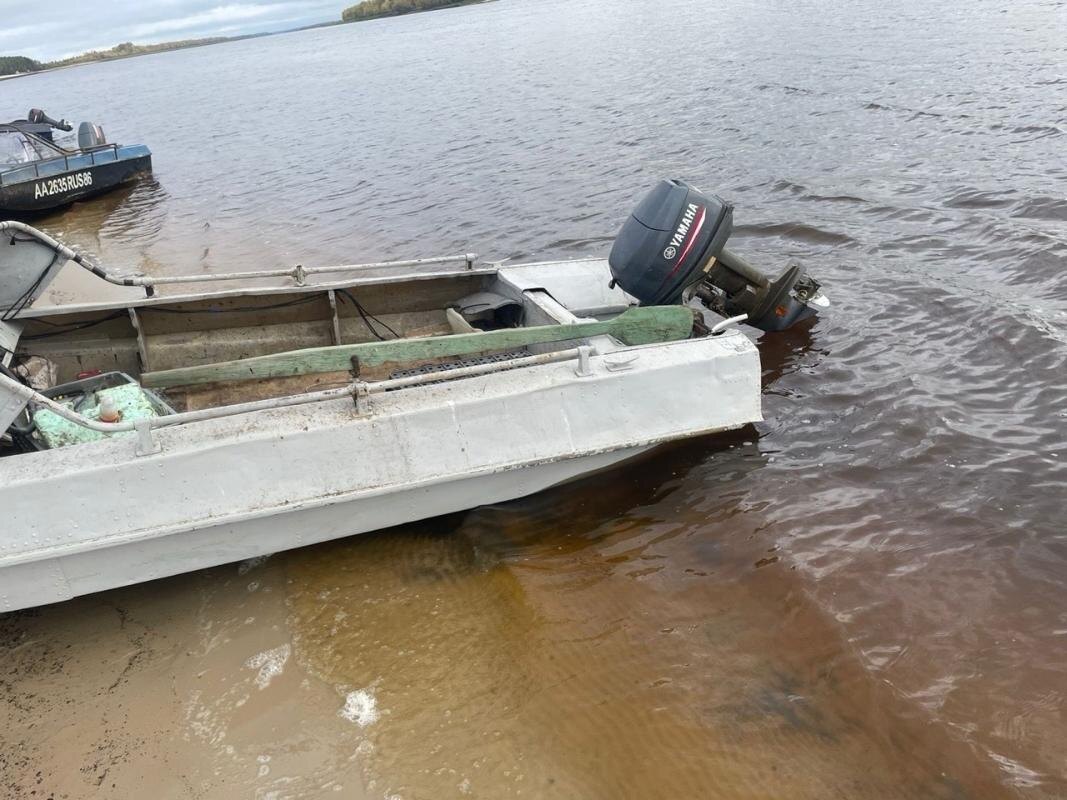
[[17, 148]]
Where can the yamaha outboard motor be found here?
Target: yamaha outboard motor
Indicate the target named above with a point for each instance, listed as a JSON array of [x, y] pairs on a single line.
[[673, 246]]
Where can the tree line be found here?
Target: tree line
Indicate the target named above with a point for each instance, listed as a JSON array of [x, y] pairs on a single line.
[[13, 65], [369, 9]]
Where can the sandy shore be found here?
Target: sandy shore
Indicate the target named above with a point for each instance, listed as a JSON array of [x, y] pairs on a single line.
[[185, 689]]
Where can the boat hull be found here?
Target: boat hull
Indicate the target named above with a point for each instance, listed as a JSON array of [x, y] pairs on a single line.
[[98, 516], [56, 579], [39, 194]]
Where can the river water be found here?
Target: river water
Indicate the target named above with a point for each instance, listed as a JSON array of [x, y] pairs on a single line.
[[861, 597]]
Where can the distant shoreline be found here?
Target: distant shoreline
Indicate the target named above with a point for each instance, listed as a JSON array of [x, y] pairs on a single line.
[[135, 51], [387, 10], [122, 52]]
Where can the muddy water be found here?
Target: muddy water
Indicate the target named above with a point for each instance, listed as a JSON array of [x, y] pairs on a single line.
[[594, 642], [861, 597]]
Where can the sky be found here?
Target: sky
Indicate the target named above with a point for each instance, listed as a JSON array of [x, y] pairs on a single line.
[[60, 28]]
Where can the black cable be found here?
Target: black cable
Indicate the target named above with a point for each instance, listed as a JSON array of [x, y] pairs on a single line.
[[10, 373], [24, 299], [364, 314], [71, 328], [21, 433], [298, 301], [371, 328], [21, 356]]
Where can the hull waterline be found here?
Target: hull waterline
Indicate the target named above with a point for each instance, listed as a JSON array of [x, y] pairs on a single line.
[[47, 193], [64, 577]]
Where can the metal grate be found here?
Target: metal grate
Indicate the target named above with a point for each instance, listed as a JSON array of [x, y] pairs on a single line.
[[469, 361]]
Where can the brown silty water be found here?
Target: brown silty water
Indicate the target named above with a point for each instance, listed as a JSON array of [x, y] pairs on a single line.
[[556, 648], [860, 597]]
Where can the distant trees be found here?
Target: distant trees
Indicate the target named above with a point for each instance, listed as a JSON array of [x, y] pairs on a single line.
[[13, 65], [128, 49], [369, 9]]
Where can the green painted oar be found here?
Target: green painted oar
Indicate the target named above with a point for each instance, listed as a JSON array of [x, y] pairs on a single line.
[[633, 326]]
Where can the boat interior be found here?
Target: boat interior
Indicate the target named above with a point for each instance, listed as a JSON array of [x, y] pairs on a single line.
[[145, 340]]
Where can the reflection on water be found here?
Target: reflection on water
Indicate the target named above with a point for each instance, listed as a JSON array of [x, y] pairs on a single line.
[[126, 224], [860, 598]]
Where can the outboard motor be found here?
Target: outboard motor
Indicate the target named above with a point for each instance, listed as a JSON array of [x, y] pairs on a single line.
[[90, 135], [39, 117], [40, 124], [673, 247]]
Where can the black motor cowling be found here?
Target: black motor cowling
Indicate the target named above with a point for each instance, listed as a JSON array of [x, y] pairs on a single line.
[[663, 246], [40, 124], [39, 117], [675, 241]]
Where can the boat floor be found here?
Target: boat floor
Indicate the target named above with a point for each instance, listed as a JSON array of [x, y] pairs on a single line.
[[195, 398]]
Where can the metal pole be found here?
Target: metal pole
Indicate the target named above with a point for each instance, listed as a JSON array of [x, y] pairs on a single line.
[[297, 272], [149, 282]]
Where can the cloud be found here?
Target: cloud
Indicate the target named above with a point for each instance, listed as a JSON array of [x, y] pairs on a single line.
[[22, 31], [66, 27], [219, 16]]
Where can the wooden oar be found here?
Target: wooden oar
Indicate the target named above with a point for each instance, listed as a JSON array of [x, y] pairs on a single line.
[[634, 326]]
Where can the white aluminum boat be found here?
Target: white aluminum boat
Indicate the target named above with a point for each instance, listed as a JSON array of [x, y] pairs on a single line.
[[180, 430]]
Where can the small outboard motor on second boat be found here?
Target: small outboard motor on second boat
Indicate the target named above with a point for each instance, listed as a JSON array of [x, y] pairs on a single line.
[[40, 124], [673, 247], [37, 122]]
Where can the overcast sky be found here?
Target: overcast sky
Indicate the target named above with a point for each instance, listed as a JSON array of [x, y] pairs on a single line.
[[58, 28]]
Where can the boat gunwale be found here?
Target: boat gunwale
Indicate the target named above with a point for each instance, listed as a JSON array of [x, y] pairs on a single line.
[[107, 453], [486, 269]]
